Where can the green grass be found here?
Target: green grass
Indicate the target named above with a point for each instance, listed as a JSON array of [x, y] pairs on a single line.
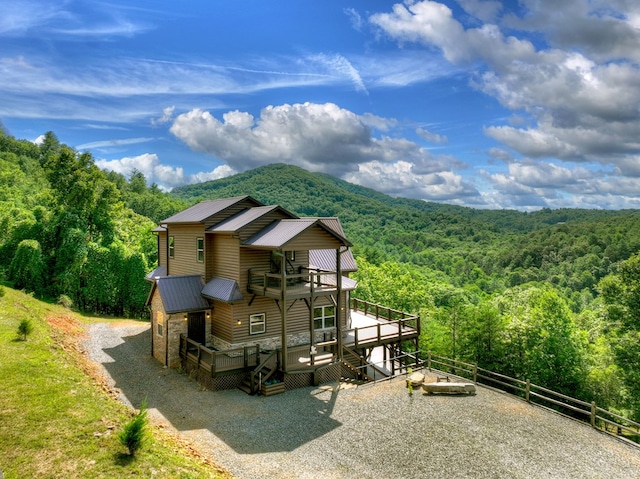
[[56, 421]]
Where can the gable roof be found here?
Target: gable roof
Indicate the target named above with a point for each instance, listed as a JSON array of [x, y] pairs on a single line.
[[246, 217], [156, 273], [180, 293], [280, 232], [223, 289], [199, 212]]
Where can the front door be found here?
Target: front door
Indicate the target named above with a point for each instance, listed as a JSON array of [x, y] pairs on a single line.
[[196, 323]]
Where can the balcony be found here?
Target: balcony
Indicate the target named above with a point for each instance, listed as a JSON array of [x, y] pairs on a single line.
[[294, 286]]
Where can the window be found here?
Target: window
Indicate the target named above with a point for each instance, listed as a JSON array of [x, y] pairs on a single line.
[[159, 322], [324, 317], [200, 249], [257, 323], [171, 246]]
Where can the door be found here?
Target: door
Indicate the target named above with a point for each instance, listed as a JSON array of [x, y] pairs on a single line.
[[195, 327]]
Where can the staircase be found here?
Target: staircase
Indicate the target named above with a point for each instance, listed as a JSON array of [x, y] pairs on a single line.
[[261, 374]]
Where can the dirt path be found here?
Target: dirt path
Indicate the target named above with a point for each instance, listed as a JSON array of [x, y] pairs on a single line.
[[367, 432]]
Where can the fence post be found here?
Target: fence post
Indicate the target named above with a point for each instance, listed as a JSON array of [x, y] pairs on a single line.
[[527, 390], [475, 374], [429, 360], [593, 413]]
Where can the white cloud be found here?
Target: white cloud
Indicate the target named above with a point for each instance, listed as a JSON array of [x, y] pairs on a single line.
[[167, 116], [485, 10], [165, 176], [430, 136], [113, 143]]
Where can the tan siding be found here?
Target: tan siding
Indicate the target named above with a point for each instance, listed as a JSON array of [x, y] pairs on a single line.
[[162, 249], [252, 259], [226, 257], [209, 256], [313, 238], [185, 261], [222, 320]]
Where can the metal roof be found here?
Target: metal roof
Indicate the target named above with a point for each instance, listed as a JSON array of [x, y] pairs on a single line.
[[199, 212], [156, 273], [223, 289], [325, 259], [280, 232], [348, 284], [181, 293], [246, 217]]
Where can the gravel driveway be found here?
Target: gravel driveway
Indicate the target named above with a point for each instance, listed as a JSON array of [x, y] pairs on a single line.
[[374, 431]]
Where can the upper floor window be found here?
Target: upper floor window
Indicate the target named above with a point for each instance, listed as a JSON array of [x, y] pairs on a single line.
[[200, 249], [257, 323], [324, 317], [171, 247]]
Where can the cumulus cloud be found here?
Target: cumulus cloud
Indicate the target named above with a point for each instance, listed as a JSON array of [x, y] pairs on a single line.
[[165, 176], [579, 89]]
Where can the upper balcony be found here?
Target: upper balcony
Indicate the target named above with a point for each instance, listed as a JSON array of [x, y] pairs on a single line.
[[301, 285]]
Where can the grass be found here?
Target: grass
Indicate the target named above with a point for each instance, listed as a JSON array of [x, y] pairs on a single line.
[[56, 421]]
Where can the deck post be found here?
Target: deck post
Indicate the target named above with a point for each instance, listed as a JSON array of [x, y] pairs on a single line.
[[339, 314], [283, 307], [593, 413], [312, 333], [527, 390]]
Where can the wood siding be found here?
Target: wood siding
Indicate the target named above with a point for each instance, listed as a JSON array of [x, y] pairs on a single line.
[[313, 238], [226, 258], [185, 258], [162, 248]]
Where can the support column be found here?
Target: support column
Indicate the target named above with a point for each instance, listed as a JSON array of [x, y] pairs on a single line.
[[339, 314], [283, 307]]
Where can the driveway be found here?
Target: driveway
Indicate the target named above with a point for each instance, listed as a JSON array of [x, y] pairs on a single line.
[[373, 431]]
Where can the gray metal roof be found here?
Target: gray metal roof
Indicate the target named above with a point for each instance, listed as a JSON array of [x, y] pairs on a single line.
[[325, 259], [348, 284], [223, 289], [182, 293], [280, 232], [156, 273], [198, 213], [248, 216]]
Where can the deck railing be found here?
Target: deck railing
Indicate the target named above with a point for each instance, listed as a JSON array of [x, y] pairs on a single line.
[[213, 361], [385, 313], [586, 411], [267, 282]]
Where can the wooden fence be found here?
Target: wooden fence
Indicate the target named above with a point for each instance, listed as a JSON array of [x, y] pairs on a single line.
[[586, 411]]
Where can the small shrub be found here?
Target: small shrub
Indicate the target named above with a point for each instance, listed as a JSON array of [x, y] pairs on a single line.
[[65, 301], [25, 328], [134, 432], [1, 291]]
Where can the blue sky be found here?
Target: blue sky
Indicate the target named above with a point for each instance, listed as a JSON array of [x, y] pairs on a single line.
[[479, 103]]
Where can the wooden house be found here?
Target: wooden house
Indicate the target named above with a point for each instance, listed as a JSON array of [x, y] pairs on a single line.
[[246, 292]]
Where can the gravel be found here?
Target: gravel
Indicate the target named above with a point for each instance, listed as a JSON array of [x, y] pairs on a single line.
[[372, 431]]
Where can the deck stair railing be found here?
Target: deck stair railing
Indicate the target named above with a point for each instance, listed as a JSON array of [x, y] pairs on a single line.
[[264, 371], [356, 363], [589, 412]]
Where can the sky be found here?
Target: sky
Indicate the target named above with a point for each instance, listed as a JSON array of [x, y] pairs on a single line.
[[504, 105]]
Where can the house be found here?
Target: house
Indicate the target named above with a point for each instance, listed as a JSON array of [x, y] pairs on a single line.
[[246, 292]]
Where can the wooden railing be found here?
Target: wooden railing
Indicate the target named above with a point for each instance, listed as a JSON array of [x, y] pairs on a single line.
[[586, 411], [385, 313], [264, 371], [264, 281], [218, 361]]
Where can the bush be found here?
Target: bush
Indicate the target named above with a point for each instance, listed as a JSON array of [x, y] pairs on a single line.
[[65, 301], [134, 432], [25, 328]]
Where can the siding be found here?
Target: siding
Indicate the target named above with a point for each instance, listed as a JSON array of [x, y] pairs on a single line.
[[226, 259], [313, 238], [162, 248], [185, 261]]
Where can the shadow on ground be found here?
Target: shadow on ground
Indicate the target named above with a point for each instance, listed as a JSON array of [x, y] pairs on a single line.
[[247, 424]]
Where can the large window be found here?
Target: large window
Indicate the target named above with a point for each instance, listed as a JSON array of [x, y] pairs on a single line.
[[257, 323], [200, 250], [171, 246], [324, 317]]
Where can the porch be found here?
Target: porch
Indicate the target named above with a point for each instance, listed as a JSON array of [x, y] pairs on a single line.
[[304, 284], [371, 326]]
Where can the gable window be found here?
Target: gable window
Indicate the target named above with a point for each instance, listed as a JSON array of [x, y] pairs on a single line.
[[257, 323], [324, 317], [200, 249], [171, 246]]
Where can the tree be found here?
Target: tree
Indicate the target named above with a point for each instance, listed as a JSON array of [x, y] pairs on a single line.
[[134, 433], [621, 295], [27, 267], [25, 328]]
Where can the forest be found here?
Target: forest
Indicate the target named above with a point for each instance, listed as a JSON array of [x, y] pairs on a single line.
[[551, 296]]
